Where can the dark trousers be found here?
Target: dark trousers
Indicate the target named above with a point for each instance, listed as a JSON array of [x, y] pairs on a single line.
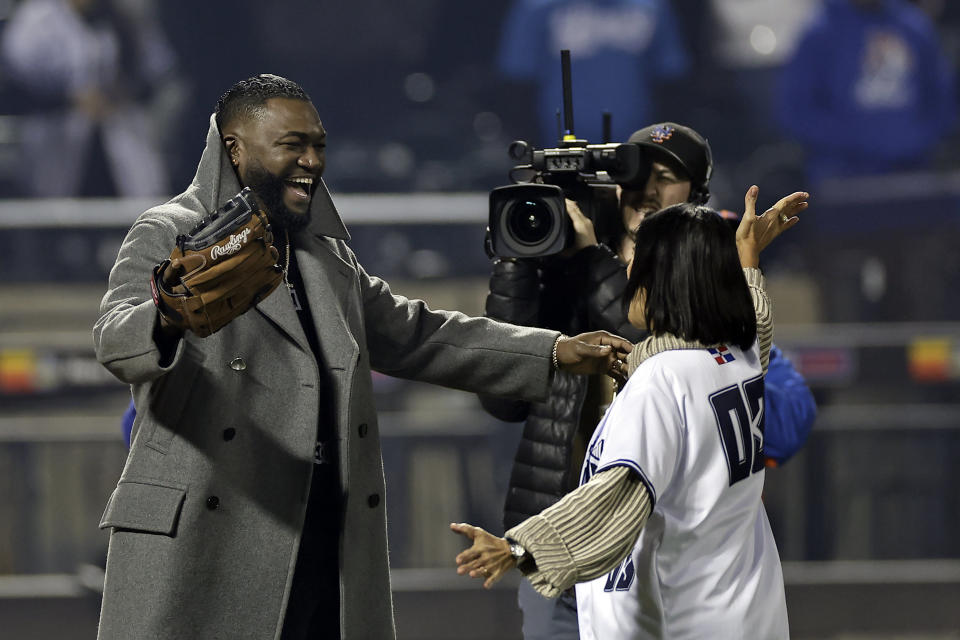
[[313, 611], [547, 618]]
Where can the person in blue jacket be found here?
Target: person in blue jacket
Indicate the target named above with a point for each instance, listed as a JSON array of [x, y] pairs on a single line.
[[619, 50], [790, 411], [867, 90], [126, 422]]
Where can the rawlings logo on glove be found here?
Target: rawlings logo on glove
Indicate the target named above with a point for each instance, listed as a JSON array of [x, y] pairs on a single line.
[[218, 271], [233, 245]]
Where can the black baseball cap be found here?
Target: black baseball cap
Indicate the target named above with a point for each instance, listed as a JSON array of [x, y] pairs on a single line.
[[680, 145]]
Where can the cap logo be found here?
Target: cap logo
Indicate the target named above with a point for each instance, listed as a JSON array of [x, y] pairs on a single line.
[[662, 134]]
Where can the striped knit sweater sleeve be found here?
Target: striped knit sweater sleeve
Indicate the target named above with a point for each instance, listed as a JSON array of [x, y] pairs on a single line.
[[586, 534], [761, 304]]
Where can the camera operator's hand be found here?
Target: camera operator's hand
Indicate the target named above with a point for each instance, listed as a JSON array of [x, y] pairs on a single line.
[[585, 235], [755, 233], [594, 352]]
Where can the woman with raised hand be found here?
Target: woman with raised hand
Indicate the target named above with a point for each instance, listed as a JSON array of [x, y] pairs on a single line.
[[666, 535]]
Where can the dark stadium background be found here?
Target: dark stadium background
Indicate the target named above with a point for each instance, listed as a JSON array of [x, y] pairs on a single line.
[[865, 292]]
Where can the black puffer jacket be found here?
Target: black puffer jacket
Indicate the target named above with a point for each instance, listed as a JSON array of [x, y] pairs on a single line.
[[573, 295]]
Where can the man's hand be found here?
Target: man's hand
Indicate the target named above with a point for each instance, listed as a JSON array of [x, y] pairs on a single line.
[[755, 232], [594, 352], [219, 270], [488, 558], [585, 235], [169, 333], [168, 329]]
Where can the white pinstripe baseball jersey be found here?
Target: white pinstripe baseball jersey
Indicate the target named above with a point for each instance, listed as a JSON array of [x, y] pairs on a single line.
[[690, 423]]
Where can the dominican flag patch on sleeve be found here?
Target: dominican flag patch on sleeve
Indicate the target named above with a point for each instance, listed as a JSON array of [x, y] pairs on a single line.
[[721, 354]]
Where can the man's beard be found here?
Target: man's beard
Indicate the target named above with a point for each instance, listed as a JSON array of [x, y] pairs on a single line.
[[269, 188]]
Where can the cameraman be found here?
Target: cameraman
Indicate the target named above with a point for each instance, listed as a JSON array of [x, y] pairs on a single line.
[[581, 290]]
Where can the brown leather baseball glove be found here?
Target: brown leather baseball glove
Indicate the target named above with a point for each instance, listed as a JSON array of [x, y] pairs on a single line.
[[224, 266]]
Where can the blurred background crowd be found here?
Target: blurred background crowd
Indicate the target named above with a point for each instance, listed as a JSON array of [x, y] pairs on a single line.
[[104, 106], [426, 97]]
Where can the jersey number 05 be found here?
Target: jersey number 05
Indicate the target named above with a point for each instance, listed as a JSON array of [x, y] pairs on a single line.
[[739, 413]]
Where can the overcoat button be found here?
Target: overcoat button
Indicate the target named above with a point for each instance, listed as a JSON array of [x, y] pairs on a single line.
[[373, 500], [213, 502], [229, 433], [363, 430], [238, 364]]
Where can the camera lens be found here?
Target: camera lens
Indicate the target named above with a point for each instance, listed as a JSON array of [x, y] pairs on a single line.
[[529, 221]]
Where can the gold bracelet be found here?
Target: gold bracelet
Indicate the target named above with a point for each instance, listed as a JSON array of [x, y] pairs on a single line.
[[556, 363]]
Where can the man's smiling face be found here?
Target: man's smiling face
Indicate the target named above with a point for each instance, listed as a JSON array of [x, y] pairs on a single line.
[[280, 154]]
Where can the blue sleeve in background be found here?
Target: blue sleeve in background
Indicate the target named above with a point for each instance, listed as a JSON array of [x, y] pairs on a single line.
[[126, 423], [803, 104], [867, 93], [523, 41], [790, 409], [669, 50], [936, 87]]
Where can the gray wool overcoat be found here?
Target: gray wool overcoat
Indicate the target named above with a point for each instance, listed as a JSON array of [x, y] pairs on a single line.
[[206, 518]]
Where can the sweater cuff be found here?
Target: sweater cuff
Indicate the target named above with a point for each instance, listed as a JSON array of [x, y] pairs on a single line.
[[556, 570]]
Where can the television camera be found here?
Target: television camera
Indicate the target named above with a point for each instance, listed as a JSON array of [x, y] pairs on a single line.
[[528, 219]]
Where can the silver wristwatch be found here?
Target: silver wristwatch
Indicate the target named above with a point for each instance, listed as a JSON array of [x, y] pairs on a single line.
[[516, 550], [525, 561]]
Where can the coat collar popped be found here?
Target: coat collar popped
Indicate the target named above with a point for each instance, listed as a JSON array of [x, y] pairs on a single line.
[[216, 182]]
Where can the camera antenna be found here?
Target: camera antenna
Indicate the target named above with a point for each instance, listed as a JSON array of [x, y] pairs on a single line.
[[567, 96], [607, 118]]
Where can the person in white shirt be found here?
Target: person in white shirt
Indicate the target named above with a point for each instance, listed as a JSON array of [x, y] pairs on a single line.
[[667, 536], [90, 73]]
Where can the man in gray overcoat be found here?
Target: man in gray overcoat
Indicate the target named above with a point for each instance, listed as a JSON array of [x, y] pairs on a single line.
[[251, 504]]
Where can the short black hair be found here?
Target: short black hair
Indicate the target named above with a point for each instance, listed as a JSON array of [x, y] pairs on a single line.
[[686, 261], [248, 97]]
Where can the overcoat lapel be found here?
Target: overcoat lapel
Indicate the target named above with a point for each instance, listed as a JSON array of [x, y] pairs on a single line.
[[278, 308], [327, 278]]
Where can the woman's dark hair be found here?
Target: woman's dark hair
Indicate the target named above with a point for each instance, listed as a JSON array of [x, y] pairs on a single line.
[[686, 261], [248, 97]]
